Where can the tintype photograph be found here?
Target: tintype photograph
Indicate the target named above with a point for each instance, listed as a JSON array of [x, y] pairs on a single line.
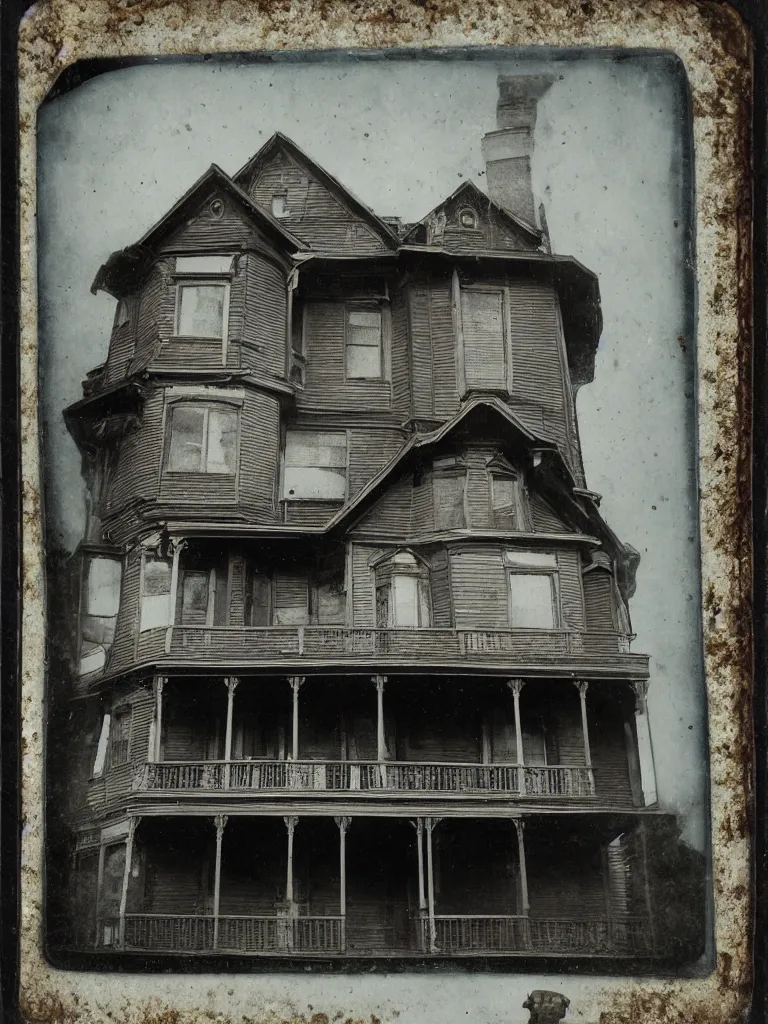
[[372, 528]]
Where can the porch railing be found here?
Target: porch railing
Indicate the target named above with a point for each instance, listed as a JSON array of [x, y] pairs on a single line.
[[236, 933], [292, 644], [475, 933], [179, 933], [368, 776]]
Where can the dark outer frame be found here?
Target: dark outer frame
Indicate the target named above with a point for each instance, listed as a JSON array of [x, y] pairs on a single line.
[[752, 316]]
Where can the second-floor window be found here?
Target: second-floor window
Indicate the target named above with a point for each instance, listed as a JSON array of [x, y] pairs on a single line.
[[402, 593], [155, 593], [534, 599], [506, 505], [449, 486], [364, 350], [120, 736], [315, 465], [202, 439], [201, 310]]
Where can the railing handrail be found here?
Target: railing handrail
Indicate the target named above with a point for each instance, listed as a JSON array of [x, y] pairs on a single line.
[[481, 917], [452, 630], [398, 764]]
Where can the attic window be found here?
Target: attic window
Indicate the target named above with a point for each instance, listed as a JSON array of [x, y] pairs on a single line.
[[468, 219], [279, 205]]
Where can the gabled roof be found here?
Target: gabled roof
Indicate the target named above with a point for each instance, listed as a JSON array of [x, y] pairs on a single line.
[[133, 260], [471, 190], [281, 142]]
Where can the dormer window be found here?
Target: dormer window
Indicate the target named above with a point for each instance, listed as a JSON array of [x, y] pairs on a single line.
[[280, 205], [468, 219], [402, 592]]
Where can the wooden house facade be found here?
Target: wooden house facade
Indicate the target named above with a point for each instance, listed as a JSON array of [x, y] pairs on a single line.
[[354, 674]]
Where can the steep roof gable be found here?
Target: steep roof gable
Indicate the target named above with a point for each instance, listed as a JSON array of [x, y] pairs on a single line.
[[326, 214], [495, 228]]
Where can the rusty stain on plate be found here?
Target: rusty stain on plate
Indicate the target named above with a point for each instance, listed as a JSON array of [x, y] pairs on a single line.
[[715, 49]]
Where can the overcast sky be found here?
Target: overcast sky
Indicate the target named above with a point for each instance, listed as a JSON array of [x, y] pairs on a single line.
[[117, 152]]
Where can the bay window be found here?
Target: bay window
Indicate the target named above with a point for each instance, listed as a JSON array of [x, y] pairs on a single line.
[[533, 590], [402, 592], [202, 296], [202, 438]]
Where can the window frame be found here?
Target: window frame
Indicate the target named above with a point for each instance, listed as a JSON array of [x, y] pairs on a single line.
[[369, 306], [121, 711], [385, 571], [205, 405], [286, 498], [456, 471], [500, 473], [152, 556], [198, 278], [457, 288], [553, 573], [463, 227]]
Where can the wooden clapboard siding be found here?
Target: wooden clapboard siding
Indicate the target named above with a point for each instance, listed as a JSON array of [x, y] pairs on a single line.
[[202, 353], [259, 454], [205, 233], [264, 342], [598, 600], [401, 372], [422, 367], [122, 345], [309, 513], [369, 452], [494, 230], [478, 487], [198, 489], [565, 887], [127, 625], [175, 876], [571, 595], [118, 779], [531, 416], [479, 587], [444, 382], [422, 504], [363, 597], [252, 877], [567, 729], [609, 753], [291, 592], [152, 313], [543, 518], [325, 386], [236, 599], [442, 612], [313, 213], [137, 470], [391, 515]]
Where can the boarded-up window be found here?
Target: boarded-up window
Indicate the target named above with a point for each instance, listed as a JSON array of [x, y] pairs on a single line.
[[195, 597], [448, 489], [201, 312], [120, 736], [103, 590], [258, 605], [203, 439], [484, 334], [505, 502], [315, 466], [155, 593], [329, 604], [291, 605], [363, 344], [532, 600]]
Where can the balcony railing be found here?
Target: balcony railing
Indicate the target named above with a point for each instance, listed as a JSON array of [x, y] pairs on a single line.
[[228, 645], [453, 934], [571, 781]]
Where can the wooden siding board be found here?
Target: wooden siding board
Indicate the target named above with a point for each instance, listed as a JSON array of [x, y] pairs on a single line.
[[363, 597], [421, 353], [446, 393], [127, 623], [264, 340], [479, 587], [401, 375]]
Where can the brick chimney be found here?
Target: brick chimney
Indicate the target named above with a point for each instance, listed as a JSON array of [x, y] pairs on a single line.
[[507, 151]]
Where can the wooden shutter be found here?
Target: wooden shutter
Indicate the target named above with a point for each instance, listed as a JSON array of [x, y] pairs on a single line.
[[482, 318]]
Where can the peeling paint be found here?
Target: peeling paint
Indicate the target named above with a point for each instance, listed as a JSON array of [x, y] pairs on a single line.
[[715, 49]]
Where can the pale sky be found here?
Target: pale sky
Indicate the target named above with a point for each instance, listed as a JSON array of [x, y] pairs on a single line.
[[117, 152]]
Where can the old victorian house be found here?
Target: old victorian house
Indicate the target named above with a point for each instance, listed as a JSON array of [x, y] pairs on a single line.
[[354, 674]]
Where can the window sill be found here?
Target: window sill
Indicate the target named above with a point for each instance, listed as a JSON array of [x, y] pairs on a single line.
[[195, 337], [199, 473], [313, 501]]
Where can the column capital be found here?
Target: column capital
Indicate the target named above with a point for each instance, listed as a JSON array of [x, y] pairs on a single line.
[[231, 683], [582, 686], [220, 821], [519, 824], [516, 686], [296, 682], [160, 682], [418, 825], [640, 686], [291, 821], [379, 682], [431, 823], [133, 824], [343, 822]]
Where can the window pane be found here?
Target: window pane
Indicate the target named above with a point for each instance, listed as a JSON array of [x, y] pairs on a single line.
[[363, 362], [406, 601], [157, 577], [449, 502], [318, 484], [504, 497], [531, 559], [304, 448], [532, 601], [482, 316], [331, 604], [382, 606], [194, 597], [186, 448], [222, 441], [101, 748], [425, 604], [201, 310], [364, 318], [104, 576]]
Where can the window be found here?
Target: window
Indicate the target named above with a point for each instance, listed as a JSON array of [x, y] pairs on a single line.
[[203, 439], [505, 502], [196, 597], [101, 748], [328, 603], [103, 587], [533, 590], [258, 600], [468, 219], [315, 466], [448, 486], [122, 315], [483, 315], [120, 736], [402, 593], [155, 593], [279, 205], [364, 357], [298, 353]]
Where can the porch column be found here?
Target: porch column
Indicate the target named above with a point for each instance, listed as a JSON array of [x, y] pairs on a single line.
[[519, 826], [291, 821], [582, 687], [231, 683], [516, 686], [132, 823], [296, 683], [343, 824], [381, 743], [220, 822], [159, 685], [429, 824], [176, 549], [644, 744]]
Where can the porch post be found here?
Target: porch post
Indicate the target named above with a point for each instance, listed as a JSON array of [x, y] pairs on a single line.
[[99, 886], [177, 546], [132, 823], [429, 824], [519, 826], [516, 686], [160, 682], [381, 743], [296, 683], [291, 821], [231, 683], [343, 824], [419, 828], [220, 822], [644, 744], [582, 686]]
